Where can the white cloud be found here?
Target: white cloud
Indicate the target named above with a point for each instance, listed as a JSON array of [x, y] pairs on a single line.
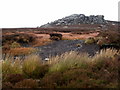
[[33, 13]]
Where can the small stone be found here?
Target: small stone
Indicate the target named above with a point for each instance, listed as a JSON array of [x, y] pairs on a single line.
[[47, 59]]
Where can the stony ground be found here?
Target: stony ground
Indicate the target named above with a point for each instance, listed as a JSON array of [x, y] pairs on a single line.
[[60, 47]]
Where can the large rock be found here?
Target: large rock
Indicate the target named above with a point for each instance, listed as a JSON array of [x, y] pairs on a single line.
[[55, 36], [77, 19]]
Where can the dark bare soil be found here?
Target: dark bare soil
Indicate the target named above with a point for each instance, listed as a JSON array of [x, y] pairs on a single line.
[[60, 47]]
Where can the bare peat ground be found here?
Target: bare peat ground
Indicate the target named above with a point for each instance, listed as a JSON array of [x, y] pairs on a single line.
[[60, 47]]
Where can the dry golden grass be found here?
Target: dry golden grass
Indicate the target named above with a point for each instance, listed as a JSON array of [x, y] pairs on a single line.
[[40, 42], [43, 39], [73, 59], [108, 53], [21, 51], [70, 36]]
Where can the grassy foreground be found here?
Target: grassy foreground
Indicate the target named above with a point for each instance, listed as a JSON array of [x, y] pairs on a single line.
[[70, 70]]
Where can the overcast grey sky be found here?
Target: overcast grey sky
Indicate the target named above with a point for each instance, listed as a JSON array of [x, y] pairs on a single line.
[[33, 13]]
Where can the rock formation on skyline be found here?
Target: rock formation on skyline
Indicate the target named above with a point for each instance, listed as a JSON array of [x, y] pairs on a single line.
[[77, 19]]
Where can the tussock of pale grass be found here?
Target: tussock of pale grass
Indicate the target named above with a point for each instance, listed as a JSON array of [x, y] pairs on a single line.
[[106, 59], [58, 63], [107, 53], [11, 67], [68, 60], [31, 63], [73, 59]]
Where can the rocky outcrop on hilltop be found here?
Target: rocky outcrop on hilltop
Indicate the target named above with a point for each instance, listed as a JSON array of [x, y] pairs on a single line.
[[77, 19]]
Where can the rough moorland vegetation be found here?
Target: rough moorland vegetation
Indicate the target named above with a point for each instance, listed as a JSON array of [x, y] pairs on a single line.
[[69, 70], [110, 39]]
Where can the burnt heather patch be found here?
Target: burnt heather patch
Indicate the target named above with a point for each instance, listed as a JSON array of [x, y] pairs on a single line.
[[62, 46]]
